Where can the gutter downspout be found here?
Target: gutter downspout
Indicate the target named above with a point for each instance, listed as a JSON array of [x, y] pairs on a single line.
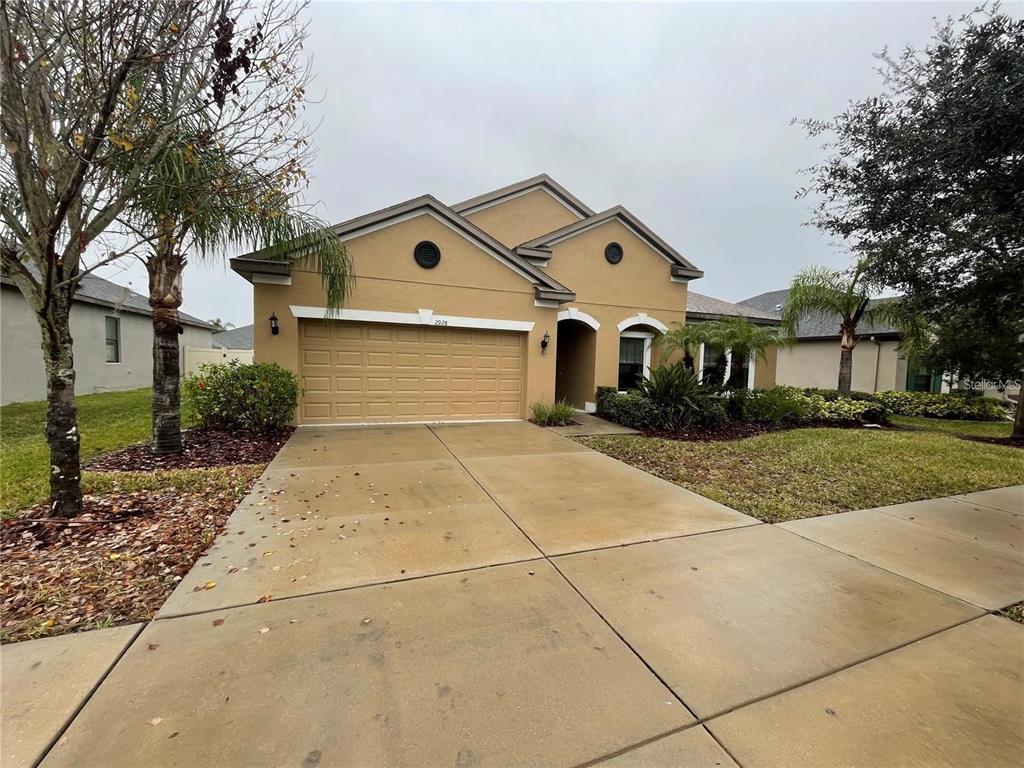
[[878, 357]]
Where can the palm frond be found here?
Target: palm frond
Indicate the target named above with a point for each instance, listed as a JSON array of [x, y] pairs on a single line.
[[819, 292]]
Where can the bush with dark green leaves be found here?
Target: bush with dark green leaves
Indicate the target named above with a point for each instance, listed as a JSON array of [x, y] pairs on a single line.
[[257, 397], [558, 414], [779, 405], [677, 393], [630, 409]]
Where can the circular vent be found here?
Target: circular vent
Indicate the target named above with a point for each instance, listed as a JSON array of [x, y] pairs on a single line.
[[613, 252], [427, 254]]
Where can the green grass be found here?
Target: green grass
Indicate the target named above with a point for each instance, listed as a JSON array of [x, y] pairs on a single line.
[[956, 426], [809, 472], [106, 422]]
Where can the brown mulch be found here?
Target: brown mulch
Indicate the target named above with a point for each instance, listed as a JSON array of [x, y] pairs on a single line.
[[737, 430], [116, 563], [202, 448]]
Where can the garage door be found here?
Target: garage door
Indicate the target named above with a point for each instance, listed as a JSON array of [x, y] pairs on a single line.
[[358, 372]]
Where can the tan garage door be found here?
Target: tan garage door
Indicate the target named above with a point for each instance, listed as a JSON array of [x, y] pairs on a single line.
[[357, 372]]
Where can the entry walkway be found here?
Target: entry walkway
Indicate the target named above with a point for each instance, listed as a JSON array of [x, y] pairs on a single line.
[[498, 595]]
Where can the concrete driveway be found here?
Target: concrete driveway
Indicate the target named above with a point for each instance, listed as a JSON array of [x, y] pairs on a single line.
[[498, 595]]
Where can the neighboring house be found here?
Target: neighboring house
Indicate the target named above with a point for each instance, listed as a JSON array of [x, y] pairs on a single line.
[[756, 373], [232, 344], [473, 311], [234, 338], [813, 361], [112, 328]]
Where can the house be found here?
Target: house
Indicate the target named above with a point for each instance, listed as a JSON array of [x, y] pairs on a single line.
[[813, 361], [112, 328], [234, 338], [473, 311], [234, 344], [755, 373]]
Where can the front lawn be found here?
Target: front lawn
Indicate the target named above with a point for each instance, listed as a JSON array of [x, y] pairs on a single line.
[[810, 472], [955, 426], [106, 422]]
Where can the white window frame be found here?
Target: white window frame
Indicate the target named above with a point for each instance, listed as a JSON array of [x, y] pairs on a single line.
[[648, 338], [728, 365]]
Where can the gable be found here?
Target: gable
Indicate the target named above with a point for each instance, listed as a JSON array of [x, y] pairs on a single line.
[[641, 279], [387, 254], [522, 216], [274, 266], [680, 266]]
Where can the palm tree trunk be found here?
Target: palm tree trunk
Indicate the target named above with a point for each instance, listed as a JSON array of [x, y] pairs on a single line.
[[848, 342], [1018, 419], [165, 267], [61, 414], [845, 370]]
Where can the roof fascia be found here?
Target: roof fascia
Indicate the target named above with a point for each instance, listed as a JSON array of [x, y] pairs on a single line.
[[542, 181], [682, 267]]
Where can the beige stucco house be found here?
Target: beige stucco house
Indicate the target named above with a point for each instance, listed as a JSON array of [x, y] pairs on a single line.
[[473, 311], [113, 331], [880, 363]]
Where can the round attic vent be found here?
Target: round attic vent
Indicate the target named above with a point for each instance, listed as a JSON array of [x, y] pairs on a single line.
[[427, 254], [613, 252]]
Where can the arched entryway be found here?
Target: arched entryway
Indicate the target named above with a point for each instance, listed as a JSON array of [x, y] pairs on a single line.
[[576, 357]]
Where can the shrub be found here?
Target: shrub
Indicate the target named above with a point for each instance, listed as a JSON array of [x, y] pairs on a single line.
[[559, 414], [778, 405], [937, 405], [737, 402], [792, 405], [677, 394], [631, 409], [258, 397], [713, 413]]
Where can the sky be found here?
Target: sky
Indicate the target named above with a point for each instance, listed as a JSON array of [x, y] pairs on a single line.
[[681, 113]]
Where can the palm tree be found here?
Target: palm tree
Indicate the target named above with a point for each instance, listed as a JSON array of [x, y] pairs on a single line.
[[687, 338], [737, 334], [822, 292], [195, 198], [743, 339]]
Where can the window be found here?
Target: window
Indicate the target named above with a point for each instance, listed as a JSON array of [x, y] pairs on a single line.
[[713, 367], [739, 371], [113, 326], [613, 252], [631, 361]]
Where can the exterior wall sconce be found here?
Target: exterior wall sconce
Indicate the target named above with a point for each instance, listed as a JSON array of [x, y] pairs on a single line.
[[274, 327], [544, 343]]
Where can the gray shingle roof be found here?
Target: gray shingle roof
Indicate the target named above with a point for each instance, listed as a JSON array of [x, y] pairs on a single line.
[[815, 327], [701, 307], [234, 338], [96, 290]]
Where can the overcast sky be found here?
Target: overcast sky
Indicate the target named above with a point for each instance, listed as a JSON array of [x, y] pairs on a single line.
[[681, 113]]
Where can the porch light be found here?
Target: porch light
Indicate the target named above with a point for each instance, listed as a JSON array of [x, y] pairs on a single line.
[[544, 343], [274, 327]]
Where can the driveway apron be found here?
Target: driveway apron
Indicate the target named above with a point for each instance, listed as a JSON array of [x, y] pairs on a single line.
[[500, 595]]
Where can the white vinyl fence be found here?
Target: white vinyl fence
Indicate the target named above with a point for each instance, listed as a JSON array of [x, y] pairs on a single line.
[[196, 356]]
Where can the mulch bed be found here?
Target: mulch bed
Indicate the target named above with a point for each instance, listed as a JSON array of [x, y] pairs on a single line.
[[202, 448], [115, 563], [737, 430]]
